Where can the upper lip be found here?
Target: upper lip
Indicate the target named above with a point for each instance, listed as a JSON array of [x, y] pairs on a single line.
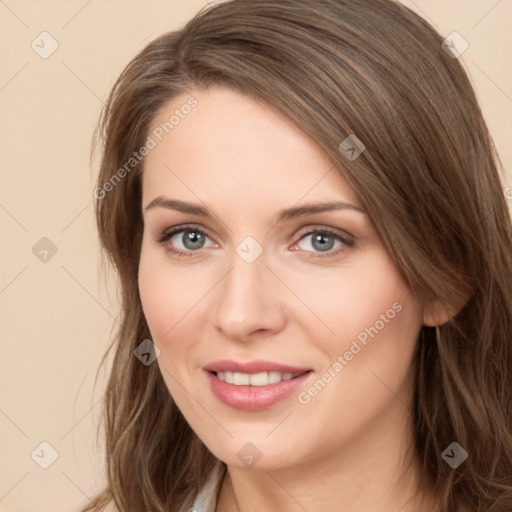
[[226, 365]]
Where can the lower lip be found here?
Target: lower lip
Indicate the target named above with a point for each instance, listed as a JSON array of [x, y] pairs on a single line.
[[254, 398]]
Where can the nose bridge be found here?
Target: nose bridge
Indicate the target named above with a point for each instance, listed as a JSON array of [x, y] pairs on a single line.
[[247, 301]]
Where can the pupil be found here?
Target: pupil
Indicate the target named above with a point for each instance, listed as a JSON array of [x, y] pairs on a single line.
[[323, 245]]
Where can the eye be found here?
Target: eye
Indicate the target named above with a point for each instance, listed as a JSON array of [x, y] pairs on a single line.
[[323, 241], [183, 240]]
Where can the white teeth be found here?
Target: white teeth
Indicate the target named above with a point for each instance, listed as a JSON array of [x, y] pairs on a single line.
[[241, 379], [255, 379], [258, 379], [274, 377]]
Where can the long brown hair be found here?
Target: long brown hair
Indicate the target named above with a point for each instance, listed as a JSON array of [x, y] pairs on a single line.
[[429, 178]]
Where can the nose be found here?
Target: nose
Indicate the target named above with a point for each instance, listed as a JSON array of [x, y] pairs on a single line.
[[248, 302]]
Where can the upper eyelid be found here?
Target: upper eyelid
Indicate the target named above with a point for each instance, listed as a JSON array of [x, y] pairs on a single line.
[[179, 228]]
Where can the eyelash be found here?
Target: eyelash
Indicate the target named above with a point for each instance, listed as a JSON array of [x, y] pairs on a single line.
[[169, 233]]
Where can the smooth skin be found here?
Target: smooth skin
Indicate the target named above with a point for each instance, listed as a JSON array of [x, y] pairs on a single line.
[[300, 302]]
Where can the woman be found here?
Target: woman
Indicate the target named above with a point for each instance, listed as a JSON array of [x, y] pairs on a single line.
[[304, 207]]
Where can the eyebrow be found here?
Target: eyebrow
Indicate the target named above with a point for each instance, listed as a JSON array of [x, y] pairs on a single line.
[[285, 214]]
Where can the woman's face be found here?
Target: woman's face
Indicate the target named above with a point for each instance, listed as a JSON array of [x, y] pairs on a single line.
[[305, 292]]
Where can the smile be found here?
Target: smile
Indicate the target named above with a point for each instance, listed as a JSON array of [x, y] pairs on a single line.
[[254, 389]]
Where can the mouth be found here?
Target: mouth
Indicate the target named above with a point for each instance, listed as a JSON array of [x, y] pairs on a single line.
[[256, 385]]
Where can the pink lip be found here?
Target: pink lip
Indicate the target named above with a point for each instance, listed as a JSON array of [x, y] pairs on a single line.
[[254, 398], [227, 365]]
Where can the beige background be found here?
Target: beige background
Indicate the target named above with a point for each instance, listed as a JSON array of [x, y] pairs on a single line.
[[57, 315]]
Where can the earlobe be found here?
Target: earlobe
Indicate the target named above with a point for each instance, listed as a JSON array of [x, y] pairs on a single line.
[[438, 312]]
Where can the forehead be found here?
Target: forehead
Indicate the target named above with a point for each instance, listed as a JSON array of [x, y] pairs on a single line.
[[232, 147]]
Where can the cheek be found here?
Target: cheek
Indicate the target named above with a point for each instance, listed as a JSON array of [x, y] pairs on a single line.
[[165, 292], [378, 333], [367, 366], [152, 295], [175, 301], [165, 305], [353, 297], [158, 289]]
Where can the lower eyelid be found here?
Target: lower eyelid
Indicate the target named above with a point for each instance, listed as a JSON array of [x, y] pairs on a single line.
[[167, 234]]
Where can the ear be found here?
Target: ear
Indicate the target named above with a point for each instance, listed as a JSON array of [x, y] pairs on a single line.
[[438, 312]]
